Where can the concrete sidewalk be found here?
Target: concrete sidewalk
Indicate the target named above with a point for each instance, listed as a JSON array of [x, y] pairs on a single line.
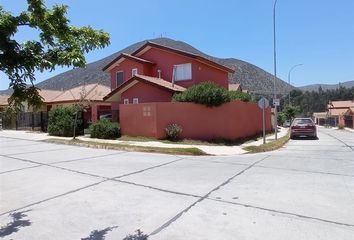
[[209, 149]]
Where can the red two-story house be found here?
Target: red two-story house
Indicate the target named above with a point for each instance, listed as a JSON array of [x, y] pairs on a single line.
[[153, 73]]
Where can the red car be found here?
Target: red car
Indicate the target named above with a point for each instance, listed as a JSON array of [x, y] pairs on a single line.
[[303, 127]]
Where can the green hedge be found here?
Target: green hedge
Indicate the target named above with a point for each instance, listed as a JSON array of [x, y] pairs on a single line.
[[61, 122], [104, 129], [210, 94], [207, 93], [238, 95]]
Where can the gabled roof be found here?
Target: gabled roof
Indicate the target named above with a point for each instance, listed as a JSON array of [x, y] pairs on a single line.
[[49, 95], [341, 104], [150, 44], [235, 87], [337, 111], [92, 92], [121, 58], [350, 111], [3, 100], [159, 82]]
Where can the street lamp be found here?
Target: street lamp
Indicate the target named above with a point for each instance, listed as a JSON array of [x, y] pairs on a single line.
[[275, 74], [289, 74]]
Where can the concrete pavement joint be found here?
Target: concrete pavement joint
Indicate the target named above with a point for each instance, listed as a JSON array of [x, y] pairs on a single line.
[[176, 217], [350, 147], [20, 169], [282, 212], [54, 197], [304, 171], [88, 158], [105, 179], [50, 150]]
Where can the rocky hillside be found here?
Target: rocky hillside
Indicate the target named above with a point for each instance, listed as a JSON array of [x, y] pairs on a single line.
[[248, 75], [315, 87]]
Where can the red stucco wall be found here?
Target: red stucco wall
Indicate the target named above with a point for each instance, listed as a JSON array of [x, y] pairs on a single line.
[[165, 61], [126, 66], [201, 72], [146, 93], [230, 121]]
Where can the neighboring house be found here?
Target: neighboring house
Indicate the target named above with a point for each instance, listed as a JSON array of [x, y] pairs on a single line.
[[153, 73], [92, 94], [320, 118], [235, 87], [3, 102], [341, 112]]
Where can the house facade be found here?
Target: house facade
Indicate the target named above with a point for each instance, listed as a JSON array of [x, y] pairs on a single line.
[[341, 113], [153, 73]]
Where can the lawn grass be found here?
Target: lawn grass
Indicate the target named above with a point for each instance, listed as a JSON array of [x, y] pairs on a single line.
[[212, 142], [270, 146], [130, 148]]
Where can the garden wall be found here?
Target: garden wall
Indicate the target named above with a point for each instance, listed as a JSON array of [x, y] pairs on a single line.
[[232, 120]]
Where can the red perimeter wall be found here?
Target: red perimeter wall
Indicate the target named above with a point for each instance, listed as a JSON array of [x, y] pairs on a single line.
[[232, 120]]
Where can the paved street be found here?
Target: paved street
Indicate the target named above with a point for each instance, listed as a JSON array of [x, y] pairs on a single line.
[[302, 191]]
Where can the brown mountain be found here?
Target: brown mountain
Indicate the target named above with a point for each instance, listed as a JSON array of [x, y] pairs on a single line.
[[248, 75]]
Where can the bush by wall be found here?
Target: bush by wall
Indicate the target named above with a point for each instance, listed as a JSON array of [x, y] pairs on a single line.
[[61, 122], [210, 94], [238, 95], [104, 129], [172, 131], [207, 93]]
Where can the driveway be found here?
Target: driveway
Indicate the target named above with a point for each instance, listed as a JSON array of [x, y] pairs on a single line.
[[302, 191]]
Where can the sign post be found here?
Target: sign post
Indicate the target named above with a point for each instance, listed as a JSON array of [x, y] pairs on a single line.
[[263, 104]]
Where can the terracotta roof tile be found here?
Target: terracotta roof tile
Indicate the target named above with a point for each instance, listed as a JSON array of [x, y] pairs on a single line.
[[235, 87], [49, 95], [142, 78], [93, 92], [341, 104], [3, 100]]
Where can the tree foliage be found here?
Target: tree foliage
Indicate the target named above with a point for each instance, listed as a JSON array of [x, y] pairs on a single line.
[[316, 101], [58, 44]]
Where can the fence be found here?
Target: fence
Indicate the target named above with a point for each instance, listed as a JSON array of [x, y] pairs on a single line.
[[26, 121], [232, 120]]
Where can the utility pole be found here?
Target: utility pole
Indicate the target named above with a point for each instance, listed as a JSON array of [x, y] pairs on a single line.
[[275, 74]]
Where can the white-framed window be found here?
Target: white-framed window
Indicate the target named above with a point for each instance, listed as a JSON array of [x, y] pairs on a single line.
[[135, 100], [119, 78], [134, 72], [126, 101], [183, 72]]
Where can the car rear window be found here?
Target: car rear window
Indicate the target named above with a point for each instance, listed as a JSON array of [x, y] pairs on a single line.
[[302, 121]]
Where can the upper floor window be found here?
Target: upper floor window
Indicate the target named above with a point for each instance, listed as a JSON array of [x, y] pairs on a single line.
[[126, 101], [135, 100], [183, 72], [119, 78], [134, 72]]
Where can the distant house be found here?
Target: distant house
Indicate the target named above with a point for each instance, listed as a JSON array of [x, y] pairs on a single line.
[[3, 102], [92, 93], [154, 72], [320, 118], [341, 112]]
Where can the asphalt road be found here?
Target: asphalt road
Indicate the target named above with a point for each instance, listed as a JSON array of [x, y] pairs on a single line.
[[302, 191]]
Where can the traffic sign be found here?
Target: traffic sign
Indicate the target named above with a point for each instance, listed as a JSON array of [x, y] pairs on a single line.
[[276, 102], [263, 103]]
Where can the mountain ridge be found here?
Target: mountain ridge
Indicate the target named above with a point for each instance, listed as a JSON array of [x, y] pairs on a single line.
[[315, 87], [250, 77]]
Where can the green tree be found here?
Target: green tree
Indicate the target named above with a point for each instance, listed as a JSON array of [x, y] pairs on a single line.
[[290, 111], [58, 44]]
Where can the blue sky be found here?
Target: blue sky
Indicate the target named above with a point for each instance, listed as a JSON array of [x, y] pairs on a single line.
[[316, 33]]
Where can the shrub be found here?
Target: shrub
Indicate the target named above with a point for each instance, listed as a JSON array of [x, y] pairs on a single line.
[[104, 129], [61, 122], [172, 131], [238, 95], [341, 126], [207, 93]]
